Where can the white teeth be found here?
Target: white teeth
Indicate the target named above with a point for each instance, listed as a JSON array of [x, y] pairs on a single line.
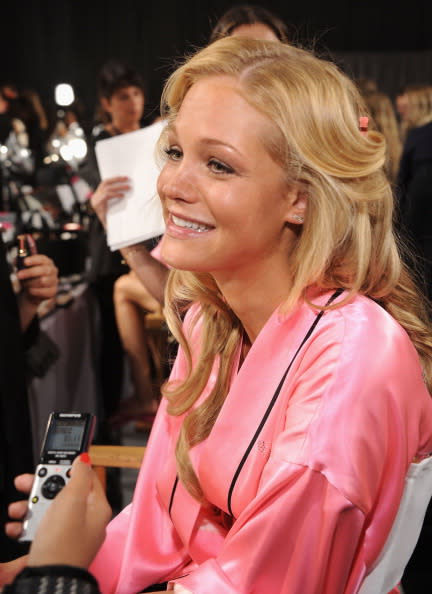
[[189, 224]]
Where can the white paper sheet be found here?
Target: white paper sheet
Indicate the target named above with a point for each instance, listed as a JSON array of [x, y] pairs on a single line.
[[137, 216]]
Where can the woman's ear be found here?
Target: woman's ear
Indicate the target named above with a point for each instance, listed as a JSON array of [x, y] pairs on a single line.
[[296, 212]]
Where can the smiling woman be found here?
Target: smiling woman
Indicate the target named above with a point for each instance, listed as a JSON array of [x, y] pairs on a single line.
[[292, 307], [228, 206], [299, 395]]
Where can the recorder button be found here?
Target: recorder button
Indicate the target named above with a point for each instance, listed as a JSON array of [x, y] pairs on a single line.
[[52, 486], [42, 472]]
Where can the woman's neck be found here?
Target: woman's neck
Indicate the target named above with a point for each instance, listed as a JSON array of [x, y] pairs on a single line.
[[255, 302]]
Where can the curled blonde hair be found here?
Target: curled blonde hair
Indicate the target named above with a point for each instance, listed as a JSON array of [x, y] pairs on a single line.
[[347, 239]]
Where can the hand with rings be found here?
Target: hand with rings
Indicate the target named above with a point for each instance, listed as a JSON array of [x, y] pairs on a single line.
[[113, 187]]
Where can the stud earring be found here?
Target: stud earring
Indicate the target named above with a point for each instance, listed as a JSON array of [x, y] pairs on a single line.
[[298, 218]]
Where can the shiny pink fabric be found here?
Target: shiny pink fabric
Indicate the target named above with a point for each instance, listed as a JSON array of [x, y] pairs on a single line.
[[319, 490]]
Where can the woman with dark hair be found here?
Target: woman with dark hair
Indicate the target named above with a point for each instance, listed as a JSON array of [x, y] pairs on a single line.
[[243, 17], [121, 95]]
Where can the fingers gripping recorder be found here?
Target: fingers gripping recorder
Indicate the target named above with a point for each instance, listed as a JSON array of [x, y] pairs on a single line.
[[67, 435]]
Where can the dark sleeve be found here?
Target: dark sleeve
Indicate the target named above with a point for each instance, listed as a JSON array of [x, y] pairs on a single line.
[[53, 579], [29, 337], [405, 172], [88, 169]]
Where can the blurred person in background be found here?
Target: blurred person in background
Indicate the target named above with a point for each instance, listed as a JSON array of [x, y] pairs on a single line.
[[121, 95], [384, 119], [407, 100], [19, 330], [250, 20], [414, 180], [414, 188]]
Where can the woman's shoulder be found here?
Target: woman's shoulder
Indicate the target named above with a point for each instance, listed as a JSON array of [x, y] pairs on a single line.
[[361, 353], [363, 315], [362, 378], [365, 334]]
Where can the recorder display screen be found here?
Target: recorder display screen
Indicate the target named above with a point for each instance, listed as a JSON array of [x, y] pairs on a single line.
[[65, 435]]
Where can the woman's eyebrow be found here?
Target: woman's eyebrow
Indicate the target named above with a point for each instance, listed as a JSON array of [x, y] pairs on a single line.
[[171, 130]]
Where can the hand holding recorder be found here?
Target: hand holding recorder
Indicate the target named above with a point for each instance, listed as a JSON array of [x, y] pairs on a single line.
[[71, 531], [67, 435]]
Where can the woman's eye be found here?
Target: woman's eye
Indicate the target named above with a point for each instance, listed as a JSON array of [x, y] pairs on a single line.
[[174, 154], [219, 167]]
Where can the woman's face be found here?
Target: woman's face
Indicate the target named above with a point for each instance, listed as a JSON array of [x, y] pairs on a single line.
[[255, 31], [225, 200], [125, 106]]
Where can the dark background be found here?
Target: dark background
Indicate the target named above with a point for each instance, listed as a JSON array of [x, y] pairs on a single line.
[[44, 42]]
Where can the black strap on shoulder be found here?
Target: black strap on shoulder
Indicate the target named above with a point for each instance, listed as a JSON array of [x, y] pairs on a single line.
[[274, 398]]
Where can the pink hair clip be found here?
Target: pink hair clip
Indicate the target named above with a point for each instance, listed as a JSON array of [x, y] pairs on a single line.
[[363, 125]]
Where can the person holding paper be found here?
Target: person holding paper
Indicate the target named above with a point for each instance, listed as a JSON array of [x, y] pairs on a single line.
[[135, 216], [121, 95]]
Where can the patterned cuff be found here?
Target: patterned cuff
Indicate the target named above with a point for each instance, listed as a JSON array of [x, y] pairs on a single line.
[[61, 579]]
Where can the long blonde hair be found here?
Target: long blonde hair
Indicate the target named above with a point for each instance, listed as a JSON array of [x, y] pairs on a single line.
[[347, 238]]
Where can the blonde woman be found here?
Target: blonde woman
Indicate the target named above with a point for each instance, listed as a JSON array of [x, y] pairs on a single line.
[[273, 201], [298, 398]]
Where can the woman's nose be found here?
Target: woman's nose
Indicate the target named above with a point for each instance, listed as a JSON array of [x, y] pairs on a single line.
[[175, 183]]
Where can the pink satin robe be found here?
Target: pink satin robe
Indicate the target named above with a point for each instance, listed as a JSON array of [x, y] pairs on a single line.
[[320, 486]]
